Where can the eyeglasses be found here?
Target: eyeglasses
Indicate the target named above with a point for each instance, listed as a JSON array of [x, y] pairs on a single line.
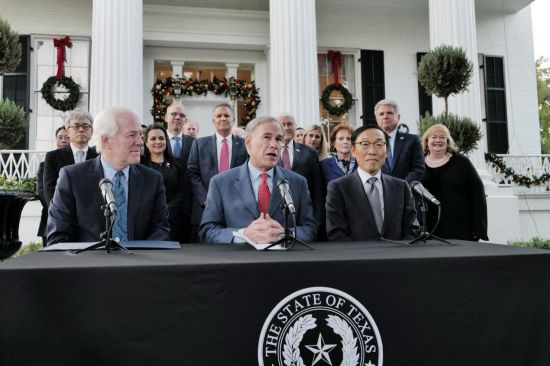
[[174, 114], [378, 145], [84, 126]]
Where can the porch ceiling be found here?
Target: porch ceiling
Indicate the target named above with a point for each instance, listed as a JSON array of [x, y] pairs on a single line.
[[263, 5]]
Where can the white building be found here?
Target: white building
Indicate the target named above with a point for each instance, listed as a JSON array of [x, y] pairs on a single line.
[[121, 47]]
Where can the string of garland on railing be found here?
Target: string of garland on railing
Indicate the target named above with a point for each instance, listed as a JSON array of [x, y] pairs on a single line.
[[500, 165], [235, 88]]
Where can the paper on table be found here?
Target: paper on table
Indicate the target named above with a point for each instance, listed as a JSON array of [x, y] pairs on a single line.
[[256, 245]]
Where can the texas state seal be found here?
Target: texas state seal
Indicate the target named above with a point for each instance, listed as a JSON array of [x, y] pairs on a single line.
[[320, 326]]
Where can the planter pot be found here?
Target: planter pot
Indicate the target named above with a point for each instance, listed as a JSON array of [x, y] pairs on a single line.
[[11, 206]]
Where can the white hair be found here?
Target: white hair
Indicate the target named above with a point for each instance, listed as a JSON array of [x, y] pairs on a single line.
[[106, 124]]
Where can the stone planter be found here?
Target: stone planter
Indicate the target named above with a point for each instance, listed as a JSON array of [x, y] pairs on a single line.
[[11, 206]]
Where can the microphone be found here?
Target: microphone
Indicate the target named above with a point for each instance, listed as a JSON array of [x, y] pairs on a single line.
[[284, 189], [421, 190], [106, 187]]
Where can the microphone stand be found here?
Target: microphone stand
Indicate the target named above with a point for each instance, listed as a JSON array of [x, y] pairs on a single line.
[[289, 238], [106, 237], [425, 235]]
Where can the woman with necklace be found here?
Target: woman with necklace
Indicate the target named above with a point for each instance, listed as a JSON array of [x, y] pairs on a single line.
[[341, 162], [157, 155], [454, 181]]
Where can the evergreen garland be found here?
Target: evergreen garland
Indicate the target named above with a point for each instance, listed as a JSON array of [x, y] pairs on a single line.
[[498, 163], [10, 48]]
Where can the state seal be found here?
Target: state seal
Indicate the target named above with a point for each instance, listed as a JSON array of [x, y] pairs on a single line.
[[320, 326]]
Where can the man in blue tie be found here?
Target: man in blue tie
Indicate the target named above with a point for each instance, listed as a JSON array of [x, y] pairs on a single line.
[[75, 213]]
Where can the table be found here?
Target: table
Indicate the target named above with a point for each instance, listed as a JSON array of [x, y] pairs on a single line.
[[432, 304]]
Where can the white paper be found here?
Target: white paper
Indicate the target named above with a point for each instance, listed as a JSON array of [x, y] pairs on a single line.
[[68, 246], [256, 245]]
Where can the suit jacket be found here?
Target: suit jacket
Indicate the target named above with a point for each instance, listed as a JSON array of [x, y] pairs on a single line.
[[408, 158], [54, 161], [203, 165], [40, 191], [75, 213], [306, 163], [350, 217], [331, 170], [231, 205]]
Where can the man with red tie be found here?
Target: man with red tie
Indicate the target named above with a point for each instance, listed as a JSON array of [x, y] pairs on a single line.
[[213, 154], [245, 199]]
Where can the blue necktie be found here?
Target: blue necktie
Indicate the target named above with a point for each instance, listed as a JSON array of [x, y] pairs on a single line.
[[177, 146], [120, 226], [389, 158]]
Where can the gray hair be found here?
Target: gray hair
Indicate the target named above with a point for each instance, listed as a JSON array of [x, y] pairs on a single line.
[[386, 102], [106, 124], [225, 105], [77, 114], [286, 115], [251, 126]]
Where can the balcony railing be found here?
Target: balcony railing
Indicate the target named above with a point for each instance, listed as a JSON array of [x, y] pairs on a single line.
[[20, 163], [530, 166]]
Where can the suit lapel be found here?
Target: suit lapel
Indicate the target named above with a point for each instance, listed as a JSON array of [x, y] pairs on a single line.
[[388, 202], [68, 158], [236, 149], [360, 196], [95, 174], [297, 156], [214, 153], [243, 187], [397, 147], [276, 199], [135, 186]]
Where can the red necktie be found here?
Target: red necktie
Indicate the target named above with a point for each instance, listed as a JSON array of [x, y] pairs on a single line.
[[286, 158], [224, 157], [263, 194]]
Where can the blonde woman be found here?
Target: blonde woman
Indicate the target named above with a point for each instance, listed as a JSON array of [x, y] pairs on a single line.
[[314, 137], [454, 181]]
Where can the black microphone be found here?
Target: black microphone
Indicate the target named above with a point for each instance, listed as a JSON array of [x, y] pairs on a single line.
[[421, 190], [106, 187], [284, 189]]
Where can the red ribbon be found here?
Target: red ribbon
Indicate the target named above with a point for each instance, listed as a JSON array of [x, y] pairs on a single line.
[[335, 58], [60, 44]]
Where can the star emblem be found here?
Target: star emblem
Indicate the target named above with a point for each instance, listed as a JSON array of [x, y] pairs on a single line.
[[321, 350]]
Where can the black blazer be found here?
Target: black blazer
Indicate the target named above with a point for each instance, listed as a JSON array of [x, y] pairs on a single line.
[[54, 161], [408, 158], [350, 217]]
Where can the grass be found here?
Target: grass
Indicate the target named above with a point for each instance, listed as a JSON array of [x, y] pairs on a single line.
[[533, 243], [29, 248]]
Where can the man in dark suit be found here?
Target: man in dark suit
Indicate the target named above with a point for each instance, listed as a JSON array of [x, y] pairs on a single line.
[[246, 199], [405, 157], [214, 154], [78, 124], [75, 212], [367, 204], [304, 160]]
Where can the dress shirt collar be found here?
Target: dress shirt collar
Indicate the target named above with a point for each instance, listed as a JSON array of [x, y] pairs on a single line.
[[365, 176], [170, 135], [109, 172], [74, 149], [219, 139]]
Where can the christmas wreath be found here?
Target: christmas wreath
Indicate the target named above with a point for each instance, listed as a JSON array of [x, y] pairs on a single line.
[[241, 89], [61, 104], [340, 109]]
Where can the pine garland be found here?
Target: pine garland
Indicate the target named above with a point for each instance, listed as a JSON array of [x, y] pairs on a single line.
[[241, 89], [498, 163], [10, 48]]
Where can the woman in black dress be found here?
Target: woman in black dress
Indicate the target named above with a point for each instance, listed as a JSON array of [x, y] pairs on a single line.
[[454, 181], [157, 155]]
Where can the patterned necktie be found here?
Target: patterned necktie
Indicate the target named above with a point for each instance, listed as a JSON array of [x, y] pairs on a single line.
[[389, 158], [286, 158], [176, 150], [80, 156], [224, 157], [374, 199], [120, 226], [263, 194]]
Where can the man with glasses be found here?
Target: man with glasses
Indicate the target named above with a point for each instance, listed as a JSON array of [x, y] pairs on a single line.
[[75, 213], [78, 124], [176, 118], [368, 204]]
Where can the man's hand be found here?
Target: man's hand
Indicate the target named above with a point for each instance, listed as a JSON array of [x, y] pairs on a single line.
[[264, 230]]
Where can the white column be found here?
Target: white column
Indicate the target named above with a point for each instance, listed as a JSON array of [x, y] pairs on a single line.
[[231, 70], [177, 68], [294, 79], [453, 23], [117, 55]]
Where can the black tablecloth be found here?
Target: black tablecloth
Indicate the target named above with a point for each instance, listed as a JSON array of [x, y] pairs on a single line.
[[468, 304]]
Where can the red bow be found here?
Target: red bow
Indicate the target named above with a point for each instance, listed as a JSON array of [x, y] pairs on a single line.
[[335, 58], [60, 44]]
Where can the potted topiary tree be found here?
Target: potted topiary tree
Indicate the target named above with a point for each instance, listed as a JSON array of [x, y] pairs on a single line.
[[14, 194], [446, 71]]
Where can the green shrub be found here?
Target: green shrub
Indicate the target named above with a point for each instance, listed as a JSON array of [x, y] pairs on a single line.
[[13, 124], [463, 130], [533, 243], [29, 248], [10, 48]]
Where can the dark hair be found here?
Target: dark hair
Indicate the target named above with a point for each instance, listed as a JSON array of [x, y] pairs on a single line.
[[168, 157], [59, 129], [369, 126]]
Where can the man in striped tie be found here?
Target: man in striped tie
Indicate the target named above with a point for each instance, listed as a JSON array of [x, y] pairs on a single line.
[[246, 199]]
